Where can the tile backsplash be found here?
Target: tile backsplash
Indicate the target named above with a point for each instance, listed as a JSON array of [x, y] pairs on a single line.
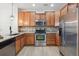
[[51, 29], [28, 29], [32, 29]]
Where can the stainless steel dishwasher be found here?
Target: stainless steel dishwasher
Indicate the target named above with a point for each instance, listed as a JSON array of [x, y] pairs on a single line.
[[7, 48]]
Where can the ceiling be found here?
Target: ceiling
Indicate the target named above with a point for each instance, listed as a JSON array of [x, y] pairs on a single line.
[[40, 7]]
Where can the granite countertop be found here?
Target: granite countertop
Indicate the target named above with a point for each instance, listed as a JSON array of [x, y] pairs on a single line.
[[7, 37], [12, 36]]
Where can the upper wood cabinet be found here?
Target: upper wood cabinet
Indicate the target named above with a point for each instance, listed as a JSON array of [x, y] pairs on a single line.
[[37, 16], [29, 19], [71, 6], [43, 16], [26, 18], [64, 10], [32, 19], [50, 18], [40, 16], [57, 17], [72, 11], [21, 19]]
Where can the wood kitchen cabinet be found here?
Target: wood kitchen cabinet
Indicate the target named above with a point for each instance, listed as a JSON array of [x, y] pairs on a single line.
[[29, 19], [40, 16], [50, 18], [29, 39], [32, 19], [58, 41], [37, 16], [72, 11], [50, 39], [26, 18], [22, 37], [20, 18], [57, 18], [71, 6], [18, 44], [43, 16], [64, 10]]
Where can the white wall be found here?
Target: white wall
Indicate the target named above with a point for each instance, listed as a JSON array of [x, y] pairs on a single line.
[[5, 22]]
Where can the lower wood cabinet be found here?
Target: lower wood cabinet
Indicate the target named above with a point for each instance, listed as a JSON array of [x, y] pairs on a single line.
[[50, 39], [58, 41], [19, 43], [29, 39], [22, 40], [18, 46]]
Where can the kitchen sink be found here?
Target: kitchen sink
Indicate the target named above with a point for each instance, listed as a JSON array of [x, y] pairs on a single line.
[[14, 34]]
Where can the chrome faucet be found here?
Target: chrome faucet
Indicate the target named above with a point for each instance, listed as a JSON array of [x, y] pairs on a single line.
[[10, 30]]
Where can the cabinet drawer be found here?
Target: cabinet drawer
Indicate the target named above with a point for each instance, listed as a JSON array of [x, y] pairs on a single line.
[[50, 42], [50, 38]]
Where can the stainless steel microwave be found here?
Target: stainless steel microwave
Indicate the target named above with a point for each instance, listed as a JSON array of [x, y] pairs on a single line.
[[40, 23]]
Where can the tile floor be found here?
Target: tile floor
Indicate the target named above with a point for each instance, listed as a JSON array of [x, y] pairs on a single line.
[[39, 51]]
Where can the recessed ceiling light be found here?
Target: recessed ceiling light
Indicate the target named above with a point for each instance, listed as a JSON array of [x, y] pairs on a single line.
[[33, 5], [51, 5]]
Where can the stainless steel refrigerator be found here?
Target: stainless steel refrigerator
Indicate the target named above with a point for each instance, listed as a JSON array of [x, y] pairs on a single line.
[[69, 33]]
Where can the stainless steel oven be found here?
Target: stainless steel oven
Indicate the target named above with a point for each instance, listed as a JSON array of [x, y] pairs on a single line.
[[40, 33], [40, 36], [40, 39]]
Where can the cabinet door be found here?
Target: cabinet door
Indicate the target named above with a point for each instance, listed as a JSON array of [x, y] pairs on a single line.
[[22, 42], [37, 16], [57, 39], [64, 10], [43, 16], [32, 19], [50, 18], [71, 6], [57, 17], [21, 18], [26, 18], [29, 39], [72, 11], [18, 47], [51, 39]]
